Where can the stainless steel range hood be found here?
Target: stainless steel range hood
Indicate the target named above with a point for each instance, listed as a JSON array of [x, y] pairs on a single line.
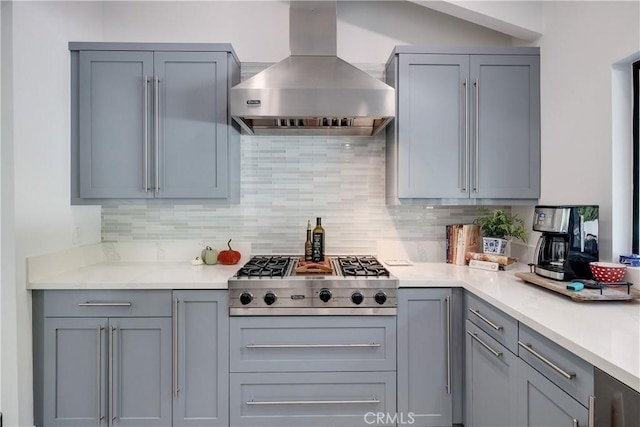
[[313, 92]]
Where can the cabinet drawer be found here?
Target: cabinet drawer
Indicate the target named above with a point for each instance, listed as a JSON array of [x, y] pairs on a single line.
[[313, 343], [312, 399], [565, 369], [87, 303], [502, 327]]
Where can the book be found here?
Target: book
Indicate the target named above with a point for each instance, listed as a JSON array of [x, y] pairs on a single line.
[[460, 239]]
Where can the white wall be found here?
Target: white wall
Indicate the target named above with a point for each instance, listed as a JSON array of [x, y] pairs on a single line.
[[44, 220], [582, 41]]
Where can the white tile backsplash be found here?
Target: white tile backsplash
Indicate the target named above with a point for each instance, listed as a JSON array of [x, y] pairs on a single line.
[[286, 181]]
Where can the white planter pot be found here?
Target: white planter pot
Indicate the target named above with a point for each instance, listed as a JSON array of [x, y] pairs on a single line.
[[493, 245]]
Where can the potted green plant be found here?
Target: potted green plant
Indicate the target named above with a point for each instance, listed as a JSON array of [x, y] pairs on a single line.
[[496, 227]]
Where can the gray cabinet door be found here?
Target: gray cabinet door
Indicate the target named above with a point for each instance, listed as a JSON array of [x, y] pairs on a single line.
[[489, 379], [201, 389], [432, 111], [505, 143], [424, 363], [140, 371], [74, 374], [112, 124], [191, 160], [543, 404]]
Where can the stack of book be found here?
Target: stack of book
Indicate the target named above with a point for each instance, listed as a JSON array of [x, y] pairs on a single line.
[[461, 238]]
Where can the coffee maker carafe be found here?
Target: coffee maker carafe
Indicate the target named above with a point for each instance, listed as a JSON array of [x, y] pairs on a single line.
[[569, 241]]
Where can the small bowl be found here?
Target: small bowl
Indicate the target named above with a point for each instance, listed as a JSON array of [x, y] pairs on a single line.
[[632, 260], [607, 272]]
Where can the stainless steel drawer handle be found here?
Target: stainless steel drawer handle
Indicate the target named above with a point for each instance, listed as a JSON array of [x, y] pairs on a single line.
[[567, 375], [312, 345], [575, 423], [104, 304], [484, 344], [310, 402], [485, 320]]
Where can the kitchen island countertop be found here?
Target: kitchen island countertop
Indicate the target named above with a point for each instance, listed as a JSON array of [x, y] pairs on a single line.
[[605, 334]]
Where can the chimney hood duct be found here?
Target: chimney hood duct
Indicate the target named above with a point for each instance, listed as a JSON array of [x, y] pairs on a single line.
[[313, 92]]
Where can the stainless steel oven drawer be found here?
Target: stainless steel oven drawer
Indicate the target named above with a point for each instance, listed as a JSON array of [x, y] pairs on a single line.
[[308, 399], [313, 343]]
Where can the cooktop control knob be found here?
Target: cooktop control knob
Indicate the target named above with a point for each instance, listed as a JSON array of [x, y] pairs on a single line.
[[357, 297], [245, 298], [380, 297], [270, 298], [325, 295]]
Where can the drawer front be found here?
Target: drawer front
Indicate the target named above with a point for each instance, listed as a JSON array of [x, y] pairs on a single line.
[[317, 343], [313, 399], [500, 326], [88, 303], [563, 368]]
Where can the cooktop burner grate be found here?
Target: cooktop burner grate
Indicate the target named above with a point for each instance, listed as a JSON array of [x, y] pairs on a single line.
[[362, 267], [265, 266]]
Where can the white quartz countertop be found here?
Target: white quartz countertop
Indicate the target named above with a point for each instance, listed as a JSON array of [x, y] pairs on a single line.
[[605, 334]]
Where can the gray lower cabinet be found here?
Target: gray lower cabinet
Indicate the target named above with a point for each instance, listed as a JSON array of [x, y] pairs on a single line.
[[490, 393], [459, 115], [101, 371], [313, 399], [541, 403], [319, 371], [201, 359], [425, 356], [152, 123]]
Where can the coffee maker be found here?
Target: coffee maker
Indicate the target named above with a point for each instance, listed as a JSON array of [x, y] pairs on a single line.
[[569, 241]]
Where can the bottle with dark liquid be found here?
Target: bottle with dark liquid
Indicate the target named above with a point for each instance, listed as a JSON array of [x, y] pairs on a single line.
[[308, 247], [317, 242]]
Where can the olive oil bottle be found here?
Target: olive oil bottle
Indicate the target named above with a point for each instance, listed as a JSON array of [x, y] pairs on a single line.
[[308, 247], [317, 242]]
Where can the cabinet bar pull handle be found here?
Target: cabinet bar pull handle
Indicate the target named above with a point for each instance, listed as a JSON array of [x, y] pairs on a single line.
[[157, 133], [99, 330], [309, 402], [111, 416], [485, 320], [465, 180], [476, 185], [484, 344], [591, 422], [310, 345], [448, 314], [145, 131], [176, 388], [104, 304], [575, 423], [567, 375]]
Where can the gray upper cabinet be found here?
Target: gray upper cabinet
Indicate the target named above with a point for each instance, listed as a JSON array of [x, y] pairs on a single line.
[[153, 123], [467, 125], [425, 356], [201, 359]]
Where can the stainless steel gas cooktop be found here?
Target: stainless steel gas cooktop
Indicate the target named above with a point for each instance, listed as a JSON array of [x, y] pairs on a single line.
[[277, 285]]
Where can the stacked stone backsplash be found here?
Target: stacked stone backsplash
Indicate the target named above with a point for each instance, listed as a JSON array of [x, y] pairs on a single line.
[[286, 181]]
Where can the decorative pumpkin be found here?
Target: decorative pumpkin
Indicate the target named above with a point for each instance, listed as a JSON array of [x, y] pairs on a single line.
[[229, 257], [209, 256]]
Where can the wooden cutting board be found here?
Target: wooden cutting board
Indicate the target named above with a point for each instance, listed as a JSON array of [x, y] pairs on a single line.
[[609, 293], [306, 267]]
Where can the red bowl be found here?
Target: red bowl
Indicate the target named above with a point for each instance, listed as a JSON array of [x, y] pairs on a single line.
[[607, 272]]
